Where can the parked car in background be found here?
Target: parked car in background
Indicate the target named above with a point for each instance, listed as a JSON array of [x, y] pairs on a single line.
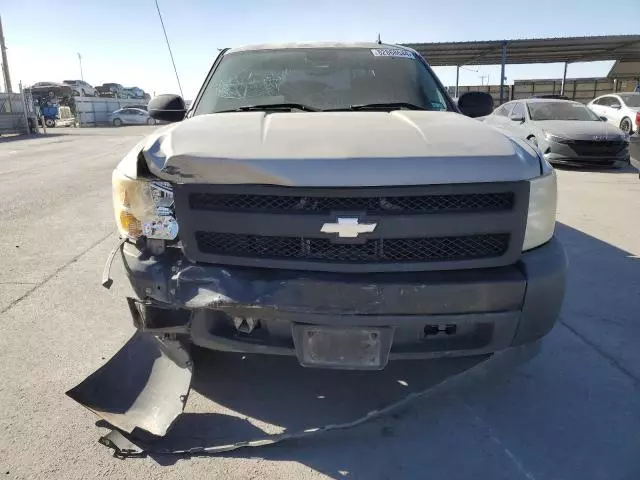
[[566, 132], [130, 116], [51, 89], [133, 92], [620, 109], [111, 90], [81, 88]]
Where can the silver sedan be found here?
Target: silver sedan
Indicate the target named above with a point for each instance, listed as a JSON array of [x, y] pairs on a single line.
[[130, 116], [566, 132]]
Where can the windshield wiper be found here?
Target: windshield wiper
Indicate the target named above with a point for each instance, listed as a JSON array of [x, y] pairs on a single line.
[[381, 106], [271, 106]]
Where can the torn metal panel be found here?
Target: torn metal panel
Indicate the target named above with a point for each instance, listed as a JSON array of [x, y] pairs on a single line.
[[127, 446], [145, 385]]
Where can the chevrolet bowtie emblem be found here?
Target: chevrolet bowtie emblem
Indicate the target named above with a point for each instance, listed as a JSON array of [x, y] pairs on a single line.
[[348, 227]]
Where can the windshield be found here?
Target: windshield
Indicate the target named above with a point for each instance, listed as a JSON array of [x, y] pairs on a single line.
[[631, 100], [320, 78], [560, 111]]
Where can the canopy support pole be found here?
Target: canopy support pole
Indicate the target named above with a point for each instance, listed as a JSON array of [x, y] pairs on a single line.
[[564, 78], [502, 64]]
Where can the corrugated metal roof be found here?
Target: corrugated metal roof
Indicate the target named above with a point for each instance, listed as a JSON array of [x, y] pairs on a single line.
[[534, 50]]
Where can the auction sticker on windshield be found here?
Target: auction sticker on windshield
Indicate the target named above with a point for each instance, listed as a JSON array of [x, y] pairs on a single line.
[[391, 52]]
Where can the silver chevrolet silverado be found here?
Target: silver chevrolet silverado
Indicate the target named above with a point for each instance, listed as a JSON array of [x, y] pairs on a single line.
[[330, 201]]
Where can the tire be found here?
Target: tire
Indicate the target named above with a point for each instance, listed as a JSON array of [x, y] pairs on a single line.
[[49, 122], [117, 122], [626, 126], [151, 121]]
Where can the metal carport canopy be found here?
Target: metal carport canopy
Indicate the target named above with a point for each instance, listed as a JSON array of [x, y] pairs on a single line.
[[535, 50]]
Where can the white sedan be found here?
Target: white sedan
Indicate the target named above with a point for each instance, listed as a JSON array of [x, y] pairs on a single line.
[[130, 116], [620, 109]]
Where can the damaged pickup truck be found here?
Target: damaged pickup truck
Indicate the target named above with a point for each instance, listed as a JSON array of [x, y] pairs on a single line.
[[329, 202]]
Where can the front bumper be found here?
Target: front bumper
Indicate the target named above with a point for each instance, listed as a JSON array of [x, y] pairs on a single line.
[[563, 154], [418, 314]]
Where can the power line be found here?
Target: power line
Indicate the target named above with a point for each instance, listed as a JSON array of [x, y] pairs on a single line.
[[169, 47]]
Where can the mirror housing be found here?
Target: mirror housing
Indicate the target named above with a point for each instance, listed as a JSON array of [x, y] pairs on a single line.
[[167, 107], [604, 119], [617, 106], [517, 119], [475, 104]]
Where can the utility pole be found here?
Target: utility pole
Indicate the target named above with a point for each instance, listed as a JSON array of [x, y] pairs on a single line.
[[5, 65], [80, 60], [482, 77]]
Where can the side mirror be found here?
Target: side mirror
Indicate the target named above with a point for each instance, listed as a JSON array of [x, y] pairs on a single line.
[[169, 108], [517, 119], [475, 104], [617, 106], [604, 119]]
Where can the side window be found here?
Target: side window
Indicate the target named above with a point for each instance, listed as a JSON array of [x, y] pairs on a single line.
[[598, 101], [606, 101], [518, 111], [504, 110]]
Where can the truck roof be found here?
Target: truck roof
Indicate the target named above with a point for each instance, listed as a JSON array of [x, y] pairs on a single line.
[[281, 46]]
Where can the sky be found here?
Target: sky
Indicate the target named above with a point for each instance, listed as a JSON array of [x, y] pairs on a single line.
[[122, 41]]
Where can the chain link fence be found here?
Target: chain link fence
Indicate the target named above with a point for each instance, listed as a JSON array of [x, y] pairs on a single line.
[[17, 114]]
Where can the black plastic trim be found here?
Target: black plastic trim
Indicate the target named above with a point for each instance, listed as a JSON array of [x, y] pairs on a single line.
[[388, 226]]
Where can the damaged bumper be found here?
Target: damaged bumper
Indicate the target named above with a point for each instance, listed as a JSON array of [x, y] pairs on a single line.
[[144, 387], [404, 315]]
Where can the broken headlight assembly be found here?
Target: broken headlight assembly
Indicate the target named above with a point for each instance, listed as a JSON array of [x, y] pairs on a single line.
[[143, 207]]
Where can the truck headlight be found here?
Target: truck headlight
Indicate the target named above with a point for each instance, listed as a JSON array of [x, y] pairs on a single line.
[[143, 207], [541, 221]]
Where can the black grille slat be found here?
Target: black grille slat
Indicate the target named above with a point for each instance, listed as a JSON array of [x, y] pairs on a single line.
[[414, 204], [428, 249], [592, 148]]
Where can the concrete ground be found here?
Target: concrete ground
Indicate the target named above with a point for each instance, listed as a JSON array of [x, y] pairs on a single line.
[[571, 413]]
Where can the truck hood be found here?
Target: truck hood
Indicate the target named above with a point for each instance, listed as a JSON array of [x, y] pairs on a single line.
[[337, 149], [579, 130]]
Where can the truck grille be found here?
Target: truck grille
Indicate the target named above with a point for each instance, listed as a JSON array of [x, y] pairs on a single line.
[[415, 228], [418, 204], [590, 148], [426, 249]]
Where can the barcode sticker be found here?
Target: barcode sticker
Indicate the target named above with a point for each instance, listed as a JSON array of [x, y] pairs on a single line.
[[391, 52]]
